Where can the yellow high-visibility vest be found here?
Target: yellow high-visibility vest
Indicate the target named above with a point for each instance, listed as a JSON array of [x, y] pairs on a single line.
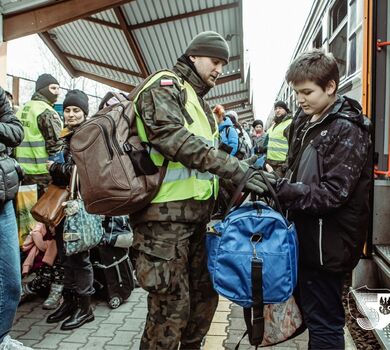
[[180, 182], [31, 153], [277, 143]]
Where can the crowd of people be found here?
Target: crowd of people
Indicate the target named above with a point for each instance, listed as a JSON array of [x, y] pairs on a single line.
[[317, 161]]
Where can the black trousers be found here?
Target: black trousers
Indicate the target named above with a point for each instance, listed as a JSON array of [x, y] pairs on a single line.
[[323, 311], [77, 268]]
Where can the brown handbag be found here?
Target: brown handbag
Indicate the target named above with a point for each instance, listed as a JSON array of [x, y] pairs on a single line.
[[50, 209]]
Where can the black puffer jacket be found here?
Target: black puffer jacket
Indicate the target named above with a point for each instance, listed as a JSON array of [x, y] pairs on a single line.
[[11, 130], [11, 135], [330, 174]]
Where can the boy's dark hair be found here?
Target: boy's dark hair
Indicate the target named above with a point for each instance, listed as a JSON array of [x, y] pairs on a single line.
[[314, 65]]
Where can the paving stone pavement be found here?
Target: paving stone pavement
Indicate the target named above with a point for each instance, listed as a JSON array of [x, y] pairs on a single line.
[[121, 328]]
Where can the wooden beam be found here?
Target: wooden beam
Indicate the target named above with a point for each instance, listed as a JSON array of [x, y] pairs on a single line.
[[116, 84], [101, 64], [226, 78], [16, 89], [45, 36], [234, 58], [102, 22], [3, 64], [53, 15], [132, 42], [235, 103], [227, 94], [184, 15]]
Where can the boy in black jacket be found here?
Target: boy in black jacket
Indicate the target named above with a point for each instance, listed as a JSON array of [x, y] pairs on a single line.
[[326, 190]]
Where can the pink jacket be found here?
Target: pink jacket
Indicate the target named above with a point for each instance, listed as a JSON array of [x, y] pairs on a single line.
[[34, 243]]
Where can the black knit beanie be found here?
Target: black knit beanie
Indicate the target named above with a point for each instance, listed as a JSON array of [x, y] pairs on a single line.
[[45, 80], [209, 44], [282, 105], [76, 98], [257, 122]]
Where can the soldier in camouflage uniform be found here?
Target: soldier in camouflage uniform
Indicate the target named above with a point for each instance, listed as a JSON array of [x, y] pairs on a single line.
[[171, 261], [40, 120], [42, 128], [326, 191]]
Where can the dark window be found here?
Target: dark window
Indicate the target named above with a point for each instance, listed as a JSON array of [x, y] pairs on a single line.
[[317, 42], [352, 55], [338, 47], [338, 13]]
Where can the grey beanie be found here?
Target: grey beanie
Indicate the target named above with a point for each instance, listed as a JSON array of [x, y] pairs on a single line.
[[45, 80], [209, 44], [76, 98]]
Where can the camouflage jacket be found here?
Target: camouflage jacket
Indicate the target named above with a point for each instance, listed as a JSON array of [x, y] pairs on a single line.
[[163, 118], [330, 169], [50, 126]]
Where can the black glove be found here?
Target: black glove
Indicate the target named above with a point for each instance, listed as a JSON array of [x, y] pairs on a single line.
[[256, 184], [272, 177]]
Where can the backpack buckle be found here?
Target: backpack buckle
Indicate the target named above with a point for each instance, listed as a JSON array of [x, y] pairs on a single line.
[[127, 147]]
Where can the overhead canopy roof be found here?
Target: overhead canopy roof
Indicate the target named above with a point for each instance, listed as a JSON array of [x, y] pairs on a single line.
[[119, 42]]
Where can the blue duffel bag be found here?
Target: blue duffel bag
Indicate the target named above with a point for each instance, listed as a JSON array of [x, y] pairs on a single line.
[[253, 233], [253, 257]]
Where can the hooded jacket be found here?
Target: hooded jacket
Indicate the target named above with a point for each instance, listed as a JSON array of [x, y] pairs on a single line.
[[228, 135], [330, 175]]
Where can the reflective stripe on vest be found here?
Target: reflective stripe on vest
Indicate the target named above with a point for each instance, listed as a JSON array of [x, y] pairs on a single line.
[[182, 183], [31, 153], [277, 143]]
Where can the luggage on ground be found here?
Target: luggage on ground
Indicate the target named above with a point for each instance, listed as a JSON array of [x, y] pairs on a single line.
[[113, 274], [253, 261]]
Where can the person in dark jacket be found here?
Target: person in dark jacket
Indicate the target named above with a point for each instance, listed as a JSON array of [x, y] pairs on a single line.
[[11, 135], [78, 280], [259, 138], [326, 191]]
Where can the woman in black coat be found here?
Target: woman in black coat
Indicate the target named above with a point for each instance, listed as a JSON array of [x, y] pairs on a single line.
[[78, 280]]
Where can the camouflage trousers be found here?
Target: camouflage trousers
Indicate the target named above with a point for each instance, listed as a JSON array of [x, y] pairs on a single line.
[[171, 264]]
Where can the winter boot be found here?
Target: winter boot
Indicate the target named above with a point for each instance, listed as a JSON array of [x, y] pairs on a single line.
[[26, 293], [39, 284], [53, 300], [66, 309], [81, 315]]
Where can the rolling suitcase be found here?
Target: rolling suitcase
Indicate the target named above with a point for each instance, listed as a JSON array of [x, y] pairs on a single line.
[[113, 273]]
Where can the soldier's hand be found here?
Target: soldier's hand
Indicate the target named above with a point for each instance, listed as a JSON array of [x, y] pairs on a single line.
[[272, 177], [256, 184], [251, 160]]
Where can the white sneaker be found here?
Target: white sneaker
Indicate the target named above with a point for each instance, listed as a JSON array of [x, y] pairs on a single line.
[[12, 344]]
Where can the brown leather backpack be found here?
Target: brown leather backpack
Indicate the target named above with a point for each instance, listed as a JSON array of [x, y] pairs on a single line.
[[117, 175]]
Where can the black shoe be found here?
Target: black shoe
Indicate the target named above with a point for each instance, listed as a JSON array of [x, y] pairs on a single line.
[[81, 315], [66, 309]]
